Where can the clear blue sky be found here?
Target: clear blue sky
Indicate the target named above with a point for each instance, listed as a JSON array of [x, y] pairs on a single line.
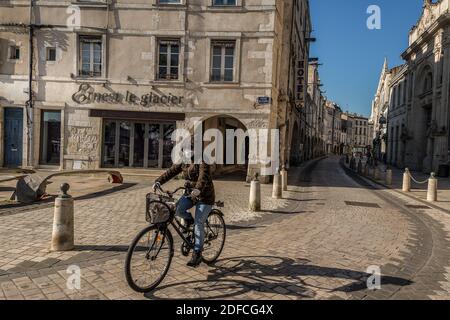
[[352, 55]]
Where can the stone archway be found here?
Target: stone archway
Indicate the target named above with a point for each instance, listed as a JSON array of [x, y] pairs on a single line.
[[295, 157], [236, 164]]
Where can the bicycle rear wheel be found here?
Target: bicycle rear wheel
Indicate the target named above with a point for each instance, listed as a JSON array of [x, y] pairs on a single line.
[[215, 234], [148, 258]]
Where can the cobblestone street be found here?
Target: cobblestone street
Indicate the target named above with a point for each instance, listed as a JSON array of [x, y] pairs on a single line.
[[316, 243]]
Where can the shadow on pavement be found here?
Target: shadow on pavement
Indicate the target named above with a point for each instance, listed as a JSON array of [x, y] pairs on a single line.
[[286, 212], [239, 176], [304, 200], [106, 192], [237, 227], [232, 277], [103, 248], [3, 189], [50, 199]]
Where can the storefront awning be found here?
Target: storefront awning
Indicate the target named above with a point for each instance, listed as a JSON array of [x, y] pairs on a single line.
[[138, 115]]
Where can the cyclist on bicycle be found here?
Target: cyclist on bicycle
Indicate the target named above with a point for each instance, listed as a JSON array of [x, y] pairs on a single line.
[[198, 177]]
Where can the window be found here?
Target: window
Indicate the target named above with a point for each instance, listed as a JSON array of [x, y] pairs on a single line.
[[222, 61], [428, 83], [152, 144], [224, 2], [50, 54], [90, 56], [168, 59], [14, 53], [169, 1], [405, 91]]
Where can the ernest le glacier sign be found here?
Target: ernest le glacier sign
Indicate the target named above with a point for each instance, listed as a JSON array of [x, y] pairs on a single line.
[[86, 95]]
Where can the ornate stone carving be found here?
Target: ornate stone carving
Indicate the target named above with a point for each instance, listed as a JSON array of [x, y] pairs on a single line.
[[257, 124], [427, 19], [82, 141]]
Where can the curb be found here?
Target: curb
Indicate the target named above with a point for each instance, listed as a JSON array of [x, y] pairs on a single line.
[[381, 184]]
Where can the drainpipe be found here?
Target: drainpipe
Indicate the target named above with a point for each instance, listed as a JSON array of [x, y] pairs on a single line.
[[29, 103]]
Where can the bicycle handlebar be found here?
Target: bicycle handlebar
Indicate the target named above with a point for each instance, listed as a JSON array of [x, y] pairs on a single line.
[[169, 193]]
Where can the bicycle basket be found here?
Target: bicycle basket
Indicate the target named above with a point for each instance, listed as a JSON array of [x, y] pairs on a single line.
[[158, 209]]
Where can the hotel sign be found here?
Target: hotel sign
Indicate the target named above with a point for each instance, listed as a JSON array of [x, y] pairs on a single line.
[[86, 94], [300, 80]]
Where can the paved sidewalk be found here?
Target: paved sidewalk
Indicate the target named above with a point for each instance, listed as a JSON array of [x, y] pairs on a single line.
[[104, 227], [419, 191], [319, 246]]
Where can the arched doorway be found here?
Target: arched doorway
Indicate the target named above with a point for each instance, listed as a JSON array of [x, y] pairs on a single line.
[[235, 146], [302, 145], [295, 147]]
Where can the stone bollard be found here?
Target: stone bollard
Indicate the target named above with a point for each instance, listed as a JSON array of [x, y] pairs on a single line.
[[376, 173], [359, 166], [406, 181], [277, 191], [255, 195], [284, 178], [389, 177], [432, 188], [63, 222], [366, 170]]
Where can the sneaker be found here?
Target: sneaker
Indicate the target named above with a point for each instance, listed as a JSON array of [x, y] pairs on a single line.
[[196, 259]]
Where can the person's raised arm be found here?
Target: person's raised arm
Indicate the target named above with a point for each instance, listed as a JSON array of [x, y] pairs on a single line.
[[172, 172]]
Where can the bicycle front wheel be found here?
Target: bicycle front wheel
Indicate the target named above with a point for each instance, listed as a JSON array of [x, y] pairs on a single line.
[[215, 234], [148, 258]]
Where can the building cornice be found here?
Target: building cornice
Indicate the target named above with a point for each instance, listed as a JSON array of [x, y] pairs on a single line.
[[426, 35]]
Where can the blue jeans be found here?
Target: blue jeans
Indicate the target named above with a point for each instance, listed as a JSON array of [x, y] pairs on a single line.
[[201, 214]]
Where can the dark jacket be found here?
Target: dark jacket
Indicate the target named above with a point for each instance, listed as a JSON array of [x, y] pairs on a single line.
[[199, 175]]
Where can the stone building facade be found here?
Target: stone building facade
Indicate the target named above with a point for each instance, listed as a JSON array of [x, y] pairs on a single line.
[[111, 80], [396, 121], [413, 98], [313, 125], [333, 128], [380, 107], [358, 134], [427, 107]]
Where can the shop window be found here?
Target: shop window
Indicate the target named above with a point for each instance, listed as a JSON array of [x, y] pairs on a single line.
[[154, 134], [137, 144], [168, 144], [109, 144], [124, 143]]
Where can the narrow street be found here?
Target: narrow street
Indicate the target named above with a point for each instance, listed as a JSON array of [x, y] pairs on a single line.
[[330, 228]]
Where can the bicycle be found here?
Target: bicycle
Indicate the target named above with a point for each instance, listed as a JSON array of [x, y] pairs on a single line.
[[150, 254]]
